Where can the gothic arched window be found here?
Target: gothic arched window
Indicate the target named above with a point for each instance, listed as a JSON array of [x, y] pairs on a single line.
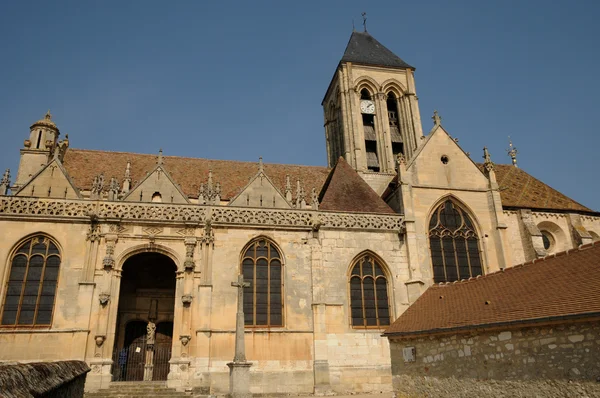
[[454, 244], [369, 303], [31, 285], [263, 299]]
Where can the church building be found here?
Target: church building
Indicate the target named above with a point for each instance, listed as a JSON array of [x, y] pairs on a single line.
[[126, 261]]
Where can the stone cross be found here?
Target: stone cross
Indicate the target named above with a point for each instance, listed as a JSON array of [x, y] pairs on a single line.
[[240, 349]]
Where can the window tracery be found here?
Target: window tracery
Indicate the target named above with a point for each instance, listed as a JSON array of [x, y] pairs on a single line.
[[369, 302], [263, 299], [31, 284], [454, 244]]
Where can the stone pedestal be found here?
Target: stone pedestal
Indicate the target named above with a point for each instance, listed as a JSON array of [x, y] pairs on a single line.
[[239, 379]]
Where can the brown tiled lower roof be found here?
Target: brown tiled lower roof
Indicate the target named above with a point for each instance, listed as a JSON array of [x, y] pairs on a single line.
[[562, 285], [189, 173], [521, 190], [345, 190]]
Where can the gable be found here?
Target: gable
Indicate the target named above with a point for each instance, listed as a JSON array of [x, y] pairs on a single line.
[[459, 171], [260, 192], [52, 181], [344, 190], [158, 186]]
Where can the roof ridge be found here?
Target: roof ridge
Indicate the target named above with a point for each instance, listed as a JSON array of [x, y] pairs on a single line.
[[189, 157]]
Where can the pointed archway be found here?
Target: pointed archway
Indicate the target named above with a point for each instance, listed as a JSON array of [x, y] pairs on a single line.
[[144, 329]]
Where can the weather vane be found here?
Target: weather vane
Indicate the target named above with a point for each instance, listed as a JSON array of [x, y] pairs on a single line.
[[512, 152], [364, 15]]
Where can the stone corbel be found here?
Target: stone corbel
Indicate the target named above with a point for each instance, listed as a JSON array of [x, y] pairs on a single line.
[[100, 340], [104, 298], [186, 299], [190, 245], [109, 262], [185, 339]]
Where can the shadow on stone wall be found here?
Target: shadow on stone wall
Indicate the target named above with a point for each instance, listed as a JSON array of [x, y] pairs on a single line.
[[423, 386], [64, 379]]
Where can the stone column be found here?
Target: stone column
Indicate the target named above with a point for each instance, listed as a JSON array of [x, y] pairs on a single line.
[[239, 369]]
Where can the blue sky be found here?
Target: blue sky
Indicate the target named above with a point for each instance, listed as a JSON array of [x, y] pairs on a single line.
[[243, 79]]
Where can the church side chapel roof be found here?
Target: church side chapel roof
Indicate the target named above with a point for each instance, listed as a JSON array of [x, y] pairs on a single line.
[[561, 285], [83, 165], [519, 189], [364, 49], [344, 190]]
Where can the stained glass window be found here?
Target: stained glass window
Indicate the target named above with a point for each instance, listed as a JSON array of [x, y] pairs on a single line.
[[263, 300], [454, 244], [31, 285], [369, 303]]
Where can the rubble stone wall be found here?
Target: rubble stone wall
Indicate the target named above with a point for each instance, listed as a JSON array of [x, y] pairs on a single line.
[[550, 358]]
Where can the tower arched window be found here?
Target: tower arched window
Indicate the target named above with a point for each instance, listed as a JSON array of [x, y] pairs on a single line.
[[369, 302], [31, 284], [454, 244], [263, 299], [394, 121], [367, 108]]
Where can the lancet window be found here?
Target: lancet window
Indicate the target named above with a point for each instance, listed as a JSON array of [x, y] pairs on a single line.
[[31, 284], [263, 299], [454, 244], [369, 303]]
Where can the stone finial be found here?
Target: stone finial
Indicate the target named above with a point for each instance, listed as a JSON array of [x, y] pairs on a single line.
[[97, 186], [160, 157], [201, 194], [512, 152], [261, 167], [113, 189], [302, 197], [298, 194], [437, 119], [5, 182], [487, 160], [314, 202], [288, 189], [210, 193], [127, 180], [48, 115]]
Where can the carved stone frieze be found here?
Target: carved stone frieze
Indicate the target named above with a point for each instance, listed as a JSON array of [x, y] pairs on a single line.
[[152, 230], [173, 214]]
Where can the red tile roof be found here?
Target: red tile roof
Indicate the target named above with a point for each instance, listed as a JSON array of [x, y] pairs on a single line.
[[519, 189], [345, 190], [84, 165], [565, 284]]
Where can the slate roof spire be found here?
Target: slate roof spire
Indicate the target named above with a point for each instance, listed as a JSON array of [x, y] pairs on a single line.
[[364, 49]]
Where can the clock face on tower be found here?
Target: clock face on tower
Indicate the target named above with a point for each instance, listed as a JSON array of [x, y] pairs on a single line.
[[367, 106]]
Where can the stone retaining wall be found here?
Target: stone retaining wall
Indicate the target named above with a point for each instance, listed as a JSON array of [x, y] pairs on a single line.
[[65, 379], [550, 359]]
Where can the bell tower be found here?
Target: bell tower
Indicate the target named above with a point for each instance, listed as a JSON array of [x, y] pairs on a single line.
[[36, 150], [371, 108]]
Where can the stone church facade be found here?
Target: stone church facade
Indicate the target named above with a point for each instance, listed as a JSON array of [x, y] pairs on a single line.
[[126, 260]]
